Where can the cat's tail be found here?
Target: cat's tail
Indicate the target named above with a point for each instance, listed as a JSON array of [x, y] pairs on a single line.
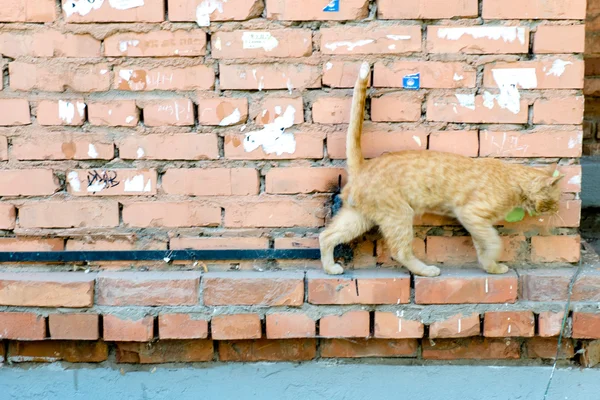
[[357, 114]]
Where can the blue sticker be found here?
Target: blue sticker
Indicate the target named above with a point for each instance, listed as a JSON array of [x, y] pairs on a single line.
[[333, 6], [412, 81]]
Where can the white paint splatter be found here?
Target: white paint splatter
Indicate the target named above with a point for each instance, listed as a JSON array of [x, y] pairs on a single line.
[[103, 71], [80, 108], [398, 37], [217, 44], [488, 100], [140, 152], [486, 285], [572, 143], [66, 110], [509, 328], [74, 182], [259, 40], [124, 44], [508, 81], [575, 180], [459, 327], [392, 47], [558, 67], [349, 45], [92, 152], [328, 66], [96, 187], [232, 118], [136, 184], [417, 140], [458, 77], [466, 100], [506, 33], [81, 7], [400, 314], [261, 83], [289, 86], [273, 137], [125, 4], [125, 74], [129, 119], [205, 9]]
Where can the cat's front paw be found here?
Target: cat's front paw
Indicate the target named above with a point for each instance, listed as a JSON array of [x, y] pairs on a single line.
[[429, 270], [335, 269], [497, 269]]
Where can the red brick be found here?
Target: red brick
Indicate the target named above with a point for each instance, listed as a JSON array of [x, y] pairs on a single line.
[[71, 214], [27, 11], [312, 10], [48, 43], [331, 110], [433, 74], [456, 326], [53, 289], [182, 326], [534, 9], [456, 250], [268, 350], [52, 351], [186, 146], [546, 348], [559, 39], [273, 107], [287, 325], [218, 243], [22, 326], [377, 140], [357, 348], [74, 326], [466, 286], [199, 77], [426, 9], [126, 243], [59, 78], [156, 44], [8, 215], [279, 43], [538, 143], [112, 182], [465, 143], [509, 324], [469, 108], [251, 288], [274, 211], [544, 284], [341, 73], [147, 288], [3, 148], [236, 326], [14, 112], [27, 182], [396, 107], [587, 286], [479, 39], [232, 10], [31, 244], [171, 214], [360, 287], [309, 144], [472, 348], [544, 110], [128, 329], [211, 181], [550, 323], [62, 146], [113, 113], [551, 73], [572, 179], [389, 325], [149, 11], [67, 112], [297, 243], [349, 324], [178, 112], [371, 39], [165, 351], [269, 76], [586, 325], [222, 111], [302, 179], [555, 248]]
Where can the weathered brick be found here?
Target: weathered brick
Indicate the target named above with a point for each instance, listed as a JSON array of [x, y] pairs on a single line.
[[61, 112], [84, 12], [288, 325], [113, 113], [302, 180], [274, 211], [509, 324], [8, 215], [165, 351], [349, 324], [538, 143], [112, 243], [297, 243], [433, 74], [71, 214], [359, 287], [59, 78], [456, 326], [22, 326], [199, 77], [62, 146], [251, 288], [309, 144], [52, 351], [3, 148], [396, 107], [572, 179], [74, 326], [147, 288], [31, 244], [357, 348], [312, 10], [472, 348], [117, 329], [222, 111], [466, 286], [331, 110], [550, 323], [341, 73], [27, 182], [389, 325], [377, 140], [534, 9], [426, 9], [178, 112], [371, 39], [236, 326], [211, 181], [268, 350], [480, 39], [48, 43], [587, 286], [14, 112], [186, 146], [217, 243], [470, 108], [559, 39], [112, 182], [546, 348], [586, 325], [156, 44], [27, 11], [555, 248], [53, 289], [544, 110], [231, 10], [550, 73], [182, 326], [544, 284], [269, 76], [465, 143], [279, 43], [171, 214]]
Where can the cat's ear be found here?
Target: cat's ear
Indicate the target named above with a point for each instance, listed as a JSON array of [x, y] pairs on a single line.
[[554, 179]]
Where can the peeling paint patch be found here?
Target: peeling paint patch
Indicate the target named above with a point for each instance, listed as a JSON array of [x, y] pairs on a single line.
[[205, 9], [125, 74], [136, 184], [506, 33], [124, 44], [508, 81], [232, 118], [466, 100], [81, 7], [417, 140], [218, 44], [259, 40], [558, 67], [349, 45], [140, 152], [458, 77], [328, 66], [74, 182], [125, 4], [575, 180], [92, 152], [66, 110], [129, 119], [398, 37], [273, 137]]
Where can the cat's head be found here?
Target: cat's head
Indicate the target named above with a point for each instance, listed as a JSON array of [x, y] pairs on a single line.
[[543, 194]]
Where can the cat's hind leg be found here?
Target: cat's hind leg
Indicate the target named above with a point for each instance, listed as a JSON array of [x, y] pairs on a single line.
[[345, 226], [486, 240]]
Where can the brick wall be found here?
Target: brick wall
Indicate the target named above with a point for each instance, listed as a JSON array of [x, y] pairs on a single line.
[[124, 126], [591, 144]]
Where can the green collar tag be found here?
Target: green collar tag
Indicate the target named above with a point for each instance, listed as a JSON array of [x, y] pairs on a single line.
[[516, 215]]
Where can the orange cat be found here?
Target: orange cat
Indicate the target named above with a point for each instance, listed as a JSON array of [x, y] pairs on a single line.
[[390, 190]]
